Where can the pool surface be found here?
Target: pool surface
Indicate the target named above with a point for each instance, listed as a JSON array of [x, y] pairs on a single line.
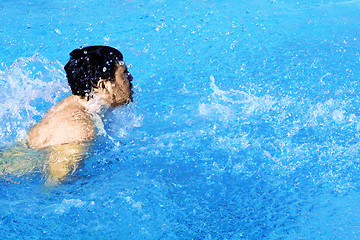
[[245, 122]]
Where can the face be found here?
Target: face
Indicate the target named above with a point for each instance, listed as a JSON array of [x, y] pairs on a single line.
[[120, 89]]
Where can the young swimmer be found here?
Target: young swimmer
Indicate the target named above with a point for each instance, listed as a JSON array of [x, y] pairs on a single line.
[[98, 79]]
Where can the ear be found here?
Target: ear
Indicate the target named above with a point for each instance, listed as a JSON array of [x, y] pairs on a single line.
[[101, 85]]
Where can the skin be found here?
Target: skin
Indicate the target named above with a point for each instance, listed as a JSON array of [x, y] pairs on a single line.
[[71, 124]]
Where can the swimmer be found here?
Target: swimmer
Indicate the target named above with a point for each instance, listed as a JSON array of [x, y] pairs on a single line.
[[99, 79]]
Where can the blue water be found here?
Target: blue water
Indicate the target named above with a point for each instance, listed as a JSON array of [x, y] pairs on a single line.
[[245, 122]]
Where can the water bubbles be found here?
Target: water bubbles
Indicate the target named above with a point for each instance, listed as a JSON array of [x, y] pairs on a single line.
[[104, 69], [85, 52]]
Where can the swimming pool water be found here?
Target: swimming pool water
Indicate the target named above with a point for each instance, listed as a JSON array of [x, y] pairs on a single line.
[[245, 122]]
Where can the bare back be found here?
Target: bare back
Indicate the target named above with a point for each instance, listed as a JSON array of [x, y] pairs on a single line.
[[66, 122]]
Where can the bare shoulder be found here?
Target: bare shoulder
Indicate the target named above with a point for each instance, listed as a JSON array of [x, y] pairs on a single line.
[[66, 122]]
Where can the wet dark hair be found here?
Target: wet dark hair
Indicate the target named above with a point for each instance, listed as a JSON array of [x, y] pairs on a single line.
[[89, 64]]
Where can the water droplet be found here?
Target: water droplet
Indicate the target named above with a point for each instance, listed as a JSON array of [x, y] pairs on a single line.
[[85, 52], [104, 69]]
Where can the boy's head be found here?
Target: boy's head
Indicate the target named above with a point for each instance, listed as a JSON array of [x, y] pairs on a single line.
[[90, 64]]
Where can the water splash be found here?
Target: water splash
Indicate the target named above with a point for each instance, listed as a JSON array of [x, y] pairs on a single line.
[[30, 86], [233, 104], [119, 123], [280, 136]]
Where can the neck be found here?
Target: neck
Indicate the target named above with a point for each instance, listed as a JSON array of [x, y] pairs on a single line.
[[94, 105]]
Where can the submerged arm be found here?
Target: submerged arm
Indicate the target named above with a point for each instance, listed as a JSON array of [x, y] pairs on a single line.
[[63, 159]]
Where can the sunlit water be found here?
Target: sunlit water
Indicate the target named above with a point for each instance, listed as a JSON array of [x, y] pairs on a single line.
[[245, 122]]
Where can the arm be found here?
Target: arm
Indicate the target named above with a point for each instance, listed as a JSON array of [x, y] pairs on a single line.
[[63, 159]]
